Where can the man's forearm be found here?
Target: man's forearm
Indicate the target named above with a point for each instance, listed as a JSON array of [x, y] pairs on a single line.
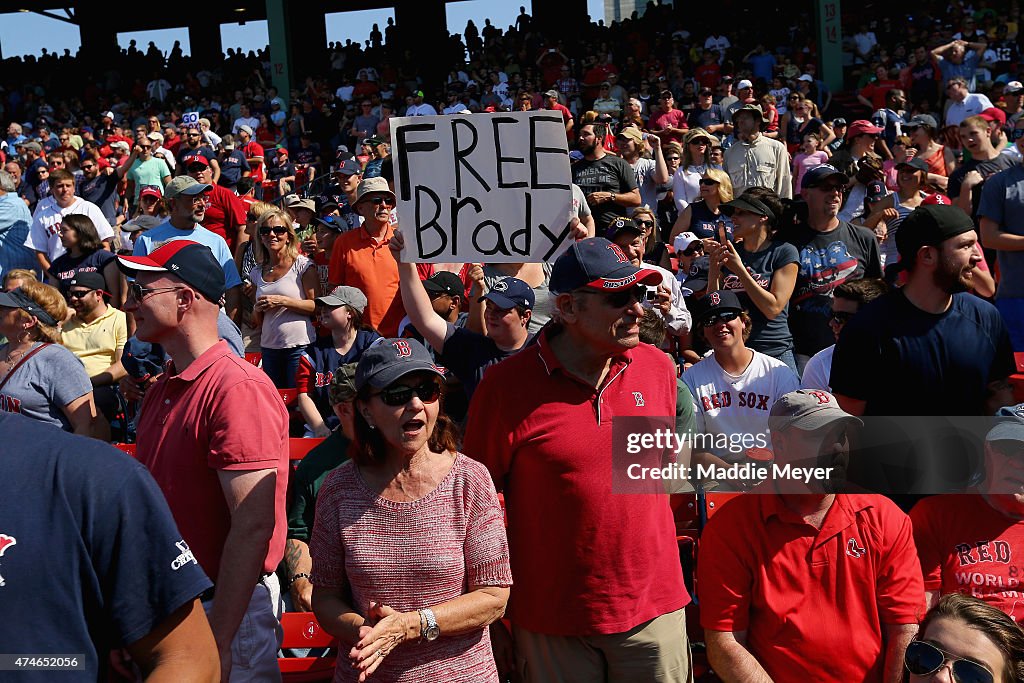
[[297, 559], [240, 570], [733, 662], [897, 637]]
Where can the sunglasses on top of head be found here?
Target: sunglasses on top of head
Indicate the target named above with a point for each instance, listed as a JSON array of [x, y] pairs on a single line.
[[428, 392]]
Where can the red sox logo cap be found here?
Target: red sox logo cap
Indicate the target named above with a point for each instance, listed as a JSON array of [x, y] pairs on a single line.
[[402, 347]]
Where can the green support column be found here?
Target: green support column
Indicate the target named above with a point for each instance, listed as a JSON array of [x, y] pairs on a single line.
[[830, 43], [280, 47]]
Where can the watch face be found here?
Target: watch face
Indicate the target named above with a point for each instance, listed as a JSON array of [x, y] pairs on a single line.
[[432, 632]]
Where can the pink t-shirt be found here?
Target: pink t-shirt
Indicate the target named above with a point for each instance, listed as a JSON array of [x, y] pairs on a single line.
[[802, 163], [414, 555]]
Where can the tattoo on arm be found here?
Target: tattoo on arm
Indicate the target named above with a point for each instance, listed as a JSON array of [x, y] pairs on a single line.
[[292, 555]]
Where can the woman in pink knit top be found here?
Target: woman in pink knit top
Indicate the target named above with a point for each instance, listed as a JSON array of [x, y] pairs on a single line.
[[410, 559]]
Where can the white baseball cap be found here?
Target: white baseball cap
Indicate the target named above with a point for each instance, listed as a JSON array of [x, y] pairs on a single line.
[[683, 240], [744, 84], [806, 77]]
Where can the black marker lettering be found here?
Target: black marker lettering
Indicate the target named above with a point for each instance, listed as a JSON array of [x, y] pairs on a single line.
[[403, 147], [535, 151], [461, 154], [500, 160], [431, 224]]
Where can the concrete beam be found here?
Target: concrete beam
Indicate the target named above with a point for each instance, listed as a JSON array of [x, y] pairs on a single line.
[[205, 42], [423, 27]]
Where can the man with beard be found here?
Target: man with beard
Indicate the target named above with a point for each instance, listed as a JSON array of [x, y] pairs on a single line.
[[948, 348], [607, 181], [194, 145], [778, 569], [100, 187]]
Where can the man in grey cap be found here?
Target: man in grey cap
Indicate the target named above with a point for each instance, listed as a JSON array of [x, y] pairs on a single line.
[[765, 606], [186, 199], [948, 528]]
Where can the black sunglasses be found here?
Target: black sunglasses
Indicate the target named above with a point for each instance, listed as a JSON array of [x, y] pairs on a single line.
[[79, 293], [138, 292], [276, 229], [381, 200], [923, 659], [723, 317], [428, 392], [623, 297], [693, 248], [644, 224], [708, 181], [841, 317]]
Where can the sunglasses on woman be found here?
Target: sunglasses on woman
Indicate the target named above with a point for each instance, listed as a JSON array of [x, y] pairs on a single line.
[[644, 224], [693, 249], [276, 229], [428, 392], [923, 659], [724, 317], [708, 182]]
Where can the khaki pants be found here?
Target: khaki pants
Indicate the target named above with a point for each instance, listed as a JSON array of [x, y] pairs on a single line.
[[653, 652]]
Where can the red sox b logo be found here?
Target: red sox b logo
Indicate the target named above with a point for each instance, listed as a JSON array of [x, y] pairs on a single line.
[[619, 255], [403, 348], [715, 298], [822, 397]]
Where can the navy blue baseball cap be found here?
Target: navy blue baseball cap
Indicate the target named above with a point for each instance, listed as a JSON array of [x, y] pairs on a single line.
[[819, 174], [193, 263], [510, 292], [713, 303], [17, 298], [598, 264], [142, 359], [391, 359], [349, 167]]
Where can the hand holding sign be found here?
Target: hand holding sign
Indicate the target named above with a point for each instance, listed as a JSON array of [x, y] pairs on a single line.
[[485, 187]]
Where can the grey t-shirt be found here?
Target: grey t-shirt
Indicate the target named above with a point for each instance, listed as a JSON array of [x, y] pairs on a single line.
[[1002, 200], [40, 387]]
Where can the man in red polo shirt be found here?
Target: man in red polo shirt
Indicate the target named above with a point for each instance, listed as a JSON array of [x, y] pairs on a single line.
[[599, 592], [798, 583], [214, 433], [361, 258], [974, 544], [225, 212]]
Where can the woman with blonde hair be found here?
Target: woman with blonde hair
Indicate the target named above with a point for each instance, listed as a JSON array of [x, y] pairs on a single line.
[[703, 216], [39, 378], [286, 287], [696, 159]]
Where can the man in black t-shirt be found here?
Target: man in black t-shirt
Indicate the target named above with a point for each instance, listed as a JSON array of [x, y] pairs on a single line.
[[831, 252], [608, 182], [100, 188], [194, 145]]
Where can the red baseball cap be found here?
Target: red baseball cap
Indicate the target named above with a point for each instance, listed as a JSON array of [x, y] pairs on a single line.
[[191, 262], [936, 199], [150, 191], [994, 115], [195, 158], [862, 127]]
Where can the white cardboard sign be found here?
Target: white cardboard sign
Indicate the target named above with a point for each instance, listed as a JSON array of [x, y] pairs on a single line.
[[482, 188], [190, 118]]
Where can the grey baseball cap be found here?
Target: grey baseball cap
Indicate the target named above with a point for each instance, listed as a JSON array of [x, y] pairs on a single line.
[[186, 185], [344, 295], [391, 359], [1009, 424], [807, 410]]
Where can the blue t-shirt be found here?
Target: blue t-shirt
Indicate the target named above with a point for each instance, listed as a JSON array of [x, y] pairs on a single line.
[[321, 360], [905, 361], [1002, 201], [231, 168], [15, 224], [66, 266], [165, 232], [101, 191], [90, 556]]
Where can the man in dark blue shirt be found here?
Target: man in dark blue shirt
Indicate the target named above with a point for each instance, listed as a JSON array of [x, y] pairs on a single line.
[[91, 561]]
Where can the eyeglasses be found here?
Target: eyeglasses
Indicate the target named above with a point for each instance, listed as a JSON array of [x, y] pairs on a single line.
[[672, 158], [923, 659], [830, 187], [707, 182], [377, 201], [276, 229], [79, 293], [644, 224], [428, 392], [623, 297], [194, 135], [138, 292], [841, 317], [693, 249], [89, 167], [198, 199], [723, 317]]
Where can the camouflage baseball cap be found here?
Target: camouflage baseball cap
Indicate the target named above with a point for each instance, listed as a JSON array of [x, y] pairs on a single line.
[[343, 386]]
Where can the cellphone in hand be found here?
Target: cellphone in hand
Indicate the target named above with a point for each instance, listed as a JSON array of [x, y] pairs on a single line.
[[720, 233]]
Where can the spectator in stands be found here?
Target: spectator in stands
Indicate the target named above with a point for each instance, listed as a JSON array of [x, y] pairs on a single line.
[[1002, 229], [114, 544], [955, 62], [405, 451], [924, 132], [695, 160], [192, 145], [99, 186], [44, 235], [96, 334], [963, 103], [142, 169], [831, 252], [760, 269], [233, 164], [755, 160], [14, 278], [967, 181], [764, 607], [307, 479], [187, 200], [704, 216], [15, 222], [847, 299], [225, 213], [649, 172], [213, 432], [341, 314], [286, 289], [948, 529], [669, 124], [707, 114], [932, 311], [911, 179], [355, 261], [607, 181], [970, 640], [85, 253], [582, 580], [282, 172], [41, 379]]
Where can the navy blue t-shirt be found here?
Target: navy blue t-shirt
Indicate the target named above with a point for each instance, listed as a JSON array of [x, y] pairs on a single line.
[[101, 191], [319, 362], [468, 355], [770, 337], [66, 266], [90, 557], [231, 168], [905, 361]]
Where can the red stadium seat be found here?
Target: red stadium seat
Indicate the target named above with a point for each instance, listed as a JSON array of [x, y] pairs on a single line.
[[298, 448], [128, 448], [254, 357], [289, 396], [301, 630]]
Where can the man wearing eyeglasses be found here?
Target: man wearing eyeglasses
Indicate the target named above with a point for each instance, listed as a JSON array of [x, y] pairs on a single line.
[[782, 565], [632, 144], [595, 601], [225, 212], [963, 103], [357, 260], [213, 432]]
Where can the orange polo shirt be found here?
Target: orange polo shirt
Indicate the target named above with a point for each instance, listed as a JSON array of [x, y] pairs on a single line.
[[358, 260]]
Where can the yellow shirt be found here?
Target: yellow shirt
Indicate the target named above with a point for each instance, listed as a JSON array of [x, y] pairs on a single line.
[[99, 343]]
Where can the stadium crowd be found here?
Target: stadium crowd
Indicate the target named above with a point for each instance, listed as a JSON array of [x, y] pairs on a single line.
[[211, 274]]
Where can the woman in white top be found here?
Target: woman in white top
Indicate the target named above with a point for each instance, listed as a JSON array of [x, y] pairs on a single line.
[[286, 289], [696, 157]]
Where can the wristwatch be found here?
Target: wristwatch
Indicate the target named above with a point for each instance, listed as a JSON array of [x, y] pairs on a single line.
[[429, 630]]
